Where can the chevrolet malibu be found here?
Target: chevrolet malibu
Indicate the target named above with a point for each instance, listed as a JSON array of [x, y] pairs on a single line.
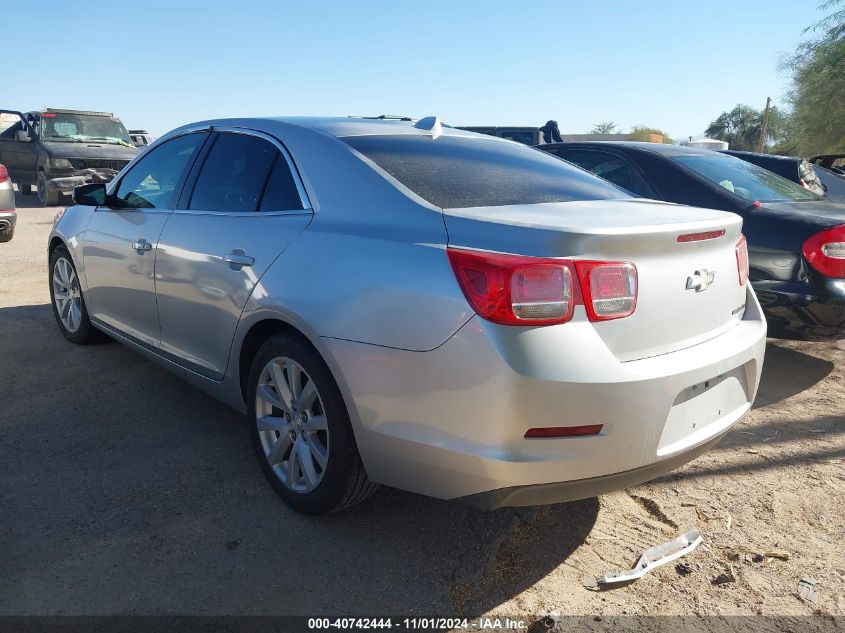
[[399, 302]]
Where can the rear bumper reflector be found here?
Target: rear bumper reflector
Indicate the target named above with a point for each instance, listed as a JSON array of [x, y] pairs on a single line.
[[564, 431]]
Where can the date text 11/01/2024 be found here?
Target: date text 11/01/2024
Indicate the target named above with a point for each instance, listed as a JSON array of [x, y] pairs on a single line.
[[435, 624]]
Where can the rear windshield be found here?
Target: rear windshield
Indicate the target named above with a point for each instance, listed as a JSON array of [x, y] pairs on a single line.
[[746, 180], [455, 172]]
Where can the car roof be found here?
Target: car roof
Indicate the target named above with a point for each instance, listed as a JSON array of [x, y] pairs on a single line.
[[66, 111], [763, 155], [662, 149], [362, 126]]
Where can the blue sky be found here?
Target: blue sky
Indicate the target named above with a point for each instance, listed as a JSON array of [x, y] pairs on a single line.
[[671, 64]]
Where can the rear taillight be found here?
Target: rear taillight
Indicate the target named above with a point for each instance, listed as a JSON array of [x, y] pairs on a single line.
[[610, 289], [518, 290], [742, 260], [4, 175], [515, 290], [825, 251]]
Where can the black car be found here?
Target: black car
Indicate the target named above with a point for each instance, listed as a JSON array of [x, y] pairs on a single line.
[[834, 183], [796, 239], [793, 168]]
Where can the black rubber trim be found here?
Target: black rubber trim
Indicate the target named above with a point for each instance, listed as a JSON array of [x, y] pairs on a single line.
[[558, 492]]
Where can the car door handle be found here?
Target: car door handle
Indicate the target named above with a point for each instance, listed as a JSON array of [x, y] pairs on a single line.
[[237, 259], [142, 245]]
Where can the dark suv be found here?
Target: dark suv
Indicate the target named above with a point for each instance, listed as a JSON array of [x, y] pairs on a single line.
[[55, 150]]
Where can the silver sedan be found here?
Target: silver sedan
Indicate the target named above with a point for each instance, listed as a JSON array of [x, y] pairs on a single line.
[[405, 303], [8, 215]]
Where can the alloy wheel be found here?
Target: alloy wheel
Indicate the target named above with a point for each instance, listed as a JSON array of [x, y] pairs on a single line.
[[67, 294], [292, 424]]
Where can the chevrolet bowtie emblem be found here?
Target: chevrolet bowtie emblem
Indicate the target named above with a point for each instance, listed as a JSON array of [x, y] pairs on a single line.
[[701, 280]]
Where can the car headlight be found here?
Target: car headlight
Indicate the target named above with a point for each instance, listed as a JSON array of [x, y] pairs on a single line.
[[59, 163]]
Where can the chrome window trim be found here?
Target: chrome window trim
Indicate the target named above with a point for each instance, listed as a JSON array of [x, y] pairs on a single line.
[[306, 209]]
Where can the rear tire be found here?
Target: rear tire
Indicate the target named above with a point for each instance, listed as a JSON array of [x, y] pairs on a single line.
[[6, 235], [46, 196], [67, 300], [304, 443]]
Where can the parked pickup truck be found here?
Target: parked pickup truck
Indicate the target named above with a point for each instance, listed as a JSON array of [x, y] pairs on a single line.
[[55, 150]]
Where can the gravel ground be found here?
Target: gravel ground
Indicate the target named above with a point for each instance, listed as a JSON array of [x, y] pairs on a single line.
[[124, 490]]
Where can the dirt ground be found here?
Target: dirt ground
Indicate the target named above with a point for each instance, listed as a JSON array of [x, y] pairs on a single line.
[[123, 490]]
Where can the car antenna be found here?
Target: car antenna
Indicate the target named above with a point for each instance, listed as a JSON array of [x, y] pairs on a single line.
[[431, 123]]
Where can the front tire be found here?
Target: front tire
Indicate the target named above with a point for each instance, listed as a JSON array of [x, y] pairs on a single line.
[[301, 431], [46, 196], [67, 300]]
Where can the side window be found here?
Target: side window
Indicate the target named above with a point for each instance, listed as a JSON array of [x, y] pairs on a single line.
[[152, 182], [234, 174], [281, 193], [9, 125], [610, 167]]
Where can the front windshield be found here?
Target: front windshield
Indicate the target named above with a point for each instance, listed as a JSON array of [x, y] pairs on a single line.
[[83, 128], [746, 180]]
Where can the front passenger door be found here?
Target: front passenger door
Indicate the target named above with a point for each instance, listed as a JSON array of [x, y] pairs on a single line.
[[119, 246]]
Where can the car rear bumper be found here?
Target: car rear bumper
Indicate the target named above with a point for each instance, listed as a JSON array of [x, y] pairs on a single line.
[[450, 423], [801, 312], [8, 219], [558, 492]]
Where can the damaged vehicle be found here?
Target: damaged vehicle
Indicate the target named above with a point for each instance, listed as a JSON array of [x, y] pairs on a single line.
[[55, 150], [403, 303]]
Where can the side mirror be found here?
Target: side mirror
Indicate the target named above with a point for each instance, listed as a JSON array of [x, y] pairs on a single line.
[[91, 195], [22, 136]]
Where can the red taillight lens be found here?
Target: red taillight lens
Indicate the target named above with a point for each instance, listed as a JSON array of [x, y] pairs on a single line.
[[4, 175], [518, 290], [610, 289], [515, 290], [742, 260], [825, 252]]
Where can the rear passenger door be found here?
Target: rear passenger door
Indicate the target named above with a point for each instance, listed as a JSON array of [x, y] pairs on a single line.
[[243, 205], [610, 166]]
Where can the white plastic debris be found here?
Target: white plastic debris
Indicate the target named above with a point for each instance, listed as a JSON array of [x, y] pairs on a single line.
[[654, 557]]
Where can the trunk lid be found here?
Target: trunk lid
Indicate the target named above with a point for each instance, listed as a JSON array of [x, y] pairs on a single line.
[[668, 316], [821, 213]]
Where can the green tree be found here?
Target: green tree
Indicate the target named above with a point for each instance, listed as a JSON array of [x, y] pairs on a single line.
[[605, 127], [818, 85], [645, 133], [740, 127]]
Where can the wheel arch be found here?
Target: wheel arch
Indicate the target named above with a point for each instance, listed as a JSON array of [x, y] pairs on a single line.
[[54, 243], [255, 337], [270, 325]]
